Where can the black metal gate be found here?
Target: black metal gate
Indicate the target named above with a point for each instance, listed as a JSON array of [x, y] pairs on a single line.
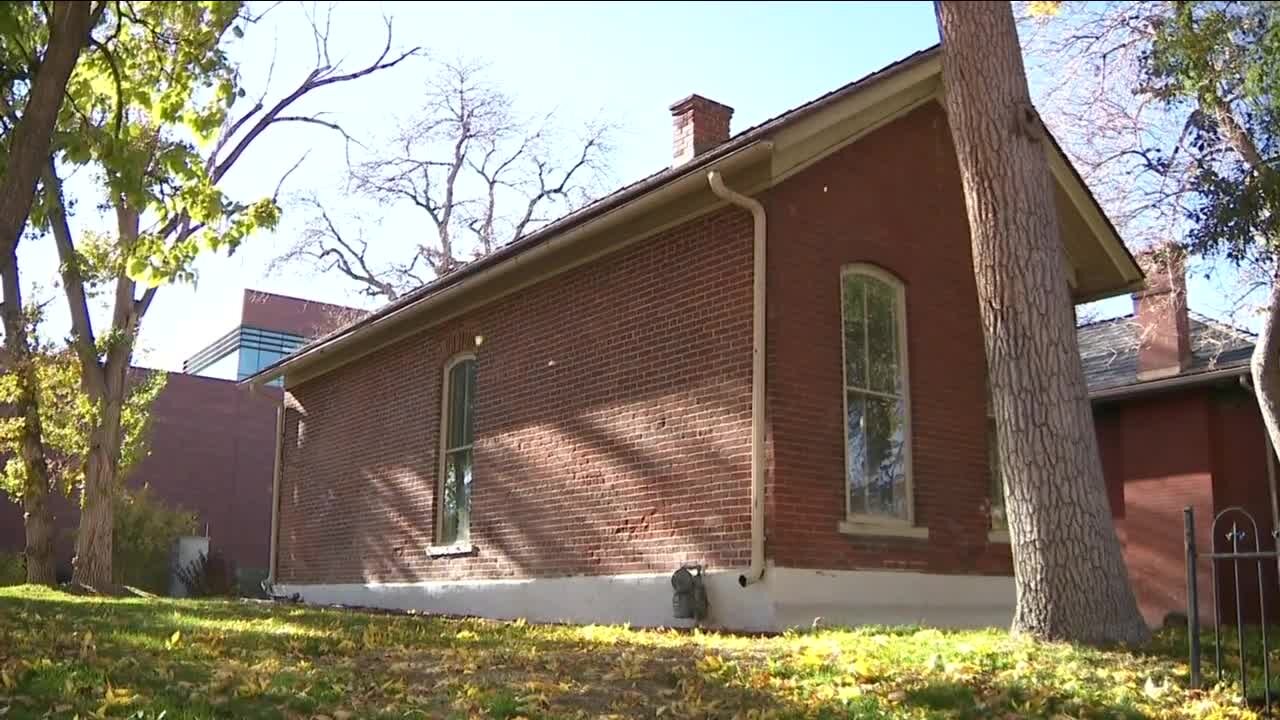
[[1236, 529]]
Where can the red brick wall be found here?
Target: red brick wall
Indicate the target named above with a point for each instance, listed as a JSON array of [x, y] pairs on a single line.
[[1240, 479], [212, 450], [612, 427], [1157, 453], [894, 200], [307, 318]]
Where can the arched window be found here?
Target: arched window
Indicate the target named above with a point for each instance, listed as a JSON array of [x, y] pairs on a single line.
[[877, 410], [453, 496]]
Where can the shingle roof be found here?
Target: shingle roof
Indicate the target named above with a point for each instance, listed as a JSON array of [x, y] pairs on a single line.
[[1109, 349]]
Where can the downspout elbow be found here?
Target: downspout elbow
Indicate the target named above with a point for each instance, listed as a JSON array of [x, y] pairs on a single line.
[[755, 572]]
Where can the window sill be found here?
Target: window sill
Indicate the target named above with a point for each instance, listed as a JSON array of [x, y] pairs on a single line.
[[451, 550], [998, 536], [875, 530]]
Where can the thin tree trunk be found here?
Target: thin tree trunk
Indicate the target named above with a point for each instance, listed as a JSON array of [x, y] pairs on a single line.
[[1265, 365], [28, 148], [1071, 578], [37, 519]]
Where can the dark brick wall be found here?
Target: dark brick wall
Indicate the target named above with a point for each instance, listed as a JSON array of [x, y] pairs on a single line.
[[893, 200], [1160, 461], [308, 318], [212, 451], [612, 427]]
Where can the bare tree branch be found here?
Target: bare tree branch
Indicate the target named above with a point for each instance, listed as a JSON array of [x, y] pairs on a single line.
[[319, 77], [73, 282], [480, 174]]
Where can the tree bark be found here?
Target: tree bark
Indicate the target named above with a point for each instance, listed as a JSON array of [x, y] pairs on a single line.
[[1071, 578], [1265, 365], [37, 517], [28, 149]]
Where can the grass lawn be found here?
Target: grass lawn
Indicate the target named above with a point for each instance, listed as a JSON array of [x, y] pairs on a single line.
[[63, 656]]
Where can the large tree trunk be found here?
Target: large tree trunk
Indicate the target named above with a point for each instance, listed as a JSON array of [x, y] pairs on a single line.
[[1070, 576], [38, 521], [37, 518], [28, 150], [106, 383], [92, 567]]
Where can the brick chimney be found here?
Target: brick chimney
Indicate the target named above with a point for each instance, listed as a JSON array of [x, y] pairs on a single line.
[[699, 125], [1160, 310]]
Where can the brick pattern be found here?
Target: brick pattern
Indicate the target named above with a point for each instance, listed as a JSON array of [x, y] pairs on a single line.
[[307, 318], [1240, 480], [212, 452], [612, 424], [698, 125], [1157, 452], [893, 200]]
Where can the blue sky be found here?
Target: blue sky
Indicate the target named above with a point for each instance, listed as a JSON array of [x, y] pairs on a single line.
[[623, 63]]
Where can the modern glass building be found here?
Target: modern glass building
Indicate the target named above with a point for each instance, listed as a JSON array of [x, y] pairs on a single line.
[[242, 352], [271, 326]]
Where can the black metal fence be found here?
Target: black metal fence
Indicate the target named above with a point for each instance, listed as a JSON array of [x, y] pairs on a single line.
[[1237, 531]]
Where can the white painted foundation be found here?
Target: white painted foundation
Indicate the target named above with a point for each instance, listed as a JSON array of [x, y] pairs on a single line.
[[787, 597]]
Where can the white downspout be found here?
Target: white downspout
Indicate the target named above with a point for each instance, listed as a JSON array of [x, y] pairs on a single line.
[[756, 571], [275, 497]]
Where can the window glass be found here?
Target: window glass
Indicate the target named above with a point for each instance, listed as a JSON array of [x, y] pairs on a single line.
[[876, 455], [455, 491]]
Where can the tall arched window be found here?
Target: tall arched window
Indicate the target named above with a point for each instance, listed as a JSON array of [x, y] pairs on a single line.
[[877, 410], [453, 497]]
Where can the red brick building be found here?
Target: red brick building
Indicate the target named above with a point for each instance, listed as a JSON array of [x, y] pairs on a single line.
[[551, 430], [1178, 426], [212, 443]]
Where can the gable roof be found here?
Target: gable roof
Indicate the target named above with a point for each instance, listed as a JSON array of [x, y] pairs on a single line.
[[757, 137], [1109, 351]]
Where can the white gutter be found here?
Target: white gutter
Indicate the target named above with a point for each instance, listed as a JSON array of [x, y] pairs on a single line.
[[756, 571], [275, 496], [1178, 381]]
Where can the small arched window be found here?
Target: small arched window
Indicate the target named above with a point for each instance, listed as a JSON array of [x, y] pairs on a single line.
[[877, 409], [453, 496]]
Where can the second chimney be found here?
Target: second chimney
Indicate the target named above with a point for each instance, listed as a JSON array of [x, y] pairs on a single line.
[[1164, 346], [699, 125]]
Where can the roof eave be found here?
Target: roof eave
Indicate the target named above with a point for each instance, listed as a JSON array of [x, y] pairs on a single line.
[[546, 240], [1176, 382]]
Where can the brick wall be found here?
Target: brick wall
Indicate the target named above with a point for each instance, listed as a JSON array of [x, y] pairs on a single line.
[[1238, 439], [894, 200], [212, 450], [612, 425], [307, 318], [1157, 457]]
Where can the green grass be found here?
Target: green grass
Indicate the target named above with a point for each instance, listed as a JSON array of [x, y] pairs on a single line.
[[64, 656]]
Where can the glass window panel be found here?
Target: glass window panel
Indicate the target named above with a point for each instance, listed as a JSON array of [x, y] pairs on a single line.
[[468, 426], [456, 513], [856, 453], [882, 337], [855, 333], [458, 401], [999, 520], [886, 458]]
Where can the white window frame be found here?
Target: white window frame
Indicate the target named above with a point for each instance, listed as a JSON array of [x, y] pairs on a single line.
[[863, 523], [457, 547]]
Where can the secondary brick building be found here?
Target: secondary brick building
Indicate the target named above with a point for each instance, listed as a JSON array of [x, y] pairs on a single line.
[[1178, 426], [211, 443], [550, 431]]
